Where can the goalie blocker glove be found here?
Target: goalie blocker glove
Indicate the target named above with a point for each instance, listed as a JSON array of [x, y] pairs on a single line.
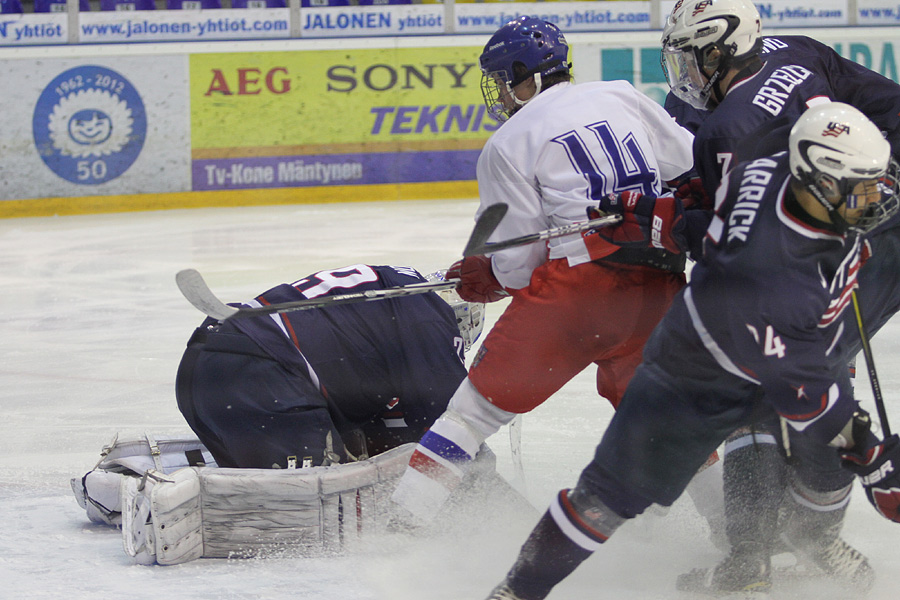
[[878, 467], [477, 282], [647, 221]]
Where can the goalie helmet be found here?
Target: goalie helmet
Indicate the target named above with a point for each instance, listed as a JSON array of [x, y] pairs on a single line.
[[834, 148], [696, 27], [469, 315], [523, 48]]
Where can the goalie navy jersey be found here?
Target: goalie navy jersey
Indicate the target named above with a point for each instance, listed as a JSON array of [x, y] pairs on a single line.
[[362, 355], [786, 280], [757, 114]]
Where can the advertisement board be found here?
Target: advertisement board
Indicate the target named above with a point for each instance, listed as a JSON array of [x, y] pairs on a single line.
[[569, 16], [99, 126], [295, 121], [878, 12], [382, 19], [184, 25], [357, 116], [35, 29]]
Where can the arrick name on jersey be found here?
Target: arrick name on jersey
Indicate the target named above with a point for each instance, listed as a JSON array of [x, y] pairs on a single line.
[[753, 187]]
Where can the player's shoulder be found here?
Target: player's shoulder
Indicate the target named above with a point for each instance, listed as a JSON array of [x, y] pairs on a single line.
[[797, 51], [730, 120], [391, 275], [611, 88], [762, 170], [778, 44]]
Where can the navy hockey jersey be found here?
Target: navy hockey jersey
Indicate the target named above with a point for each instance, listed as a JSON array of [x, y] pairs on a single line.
[[785, 280], [364, 355], [757, 114]]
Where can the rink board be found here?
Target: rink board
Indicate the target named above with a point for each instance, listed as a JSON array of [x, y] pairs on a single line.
[[180, 125]]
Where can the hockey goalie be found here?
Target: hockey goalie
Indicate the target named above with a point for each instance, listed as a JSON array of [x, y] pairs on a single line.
[[304, 421]]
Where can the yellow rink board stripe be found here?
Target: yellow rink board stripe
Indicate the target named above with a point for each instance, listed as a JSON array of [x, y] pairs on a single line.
[[44, 207]]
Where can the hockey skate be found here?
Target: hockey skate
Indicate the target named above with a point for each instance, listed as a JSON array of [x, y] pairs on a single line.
[[838, 560], [746, 569], [503, 592], [814, 538]]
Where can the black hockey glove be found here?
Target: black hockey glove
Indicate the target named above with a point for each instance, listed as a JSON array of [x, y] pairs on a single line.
[[647, 221], [878, 467]]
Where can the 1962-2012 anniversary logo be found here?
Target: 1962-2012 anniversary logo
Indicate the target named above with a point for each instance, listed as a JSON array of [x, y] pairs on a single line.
[[89, 125]]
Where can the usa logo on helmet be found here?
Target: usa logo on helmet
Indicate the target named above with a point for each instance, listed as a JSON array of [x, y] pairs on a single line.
[[701, 6], [835, 129]]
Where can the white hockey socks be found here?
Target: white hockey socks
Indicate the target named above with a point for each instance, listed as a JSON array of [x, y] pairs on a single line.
[[445, 453]]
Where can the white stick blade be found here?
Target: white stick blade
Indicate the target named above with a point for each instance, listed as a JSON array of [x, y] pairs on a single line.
[[194, 288]]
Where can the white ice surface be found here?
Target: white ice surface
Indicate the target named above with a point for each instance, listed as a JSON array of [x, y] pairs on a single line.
[[92, 331]]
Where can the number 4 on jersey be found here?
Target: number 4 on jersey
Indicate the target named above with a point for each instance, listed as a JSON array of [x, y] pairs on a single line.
[[772, 344]]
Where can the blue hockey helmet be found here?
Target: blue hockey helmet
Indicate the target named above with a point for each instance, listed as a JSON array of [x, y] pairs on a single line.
[[523, 48]]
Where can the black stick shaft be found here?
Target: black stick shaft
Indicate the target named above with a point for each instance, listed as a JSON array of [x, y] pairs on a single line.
[[870, 367]]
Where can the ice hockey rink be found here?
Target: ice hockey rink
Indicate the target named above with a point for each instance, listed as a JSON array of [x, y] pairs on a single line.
[[93, 328]]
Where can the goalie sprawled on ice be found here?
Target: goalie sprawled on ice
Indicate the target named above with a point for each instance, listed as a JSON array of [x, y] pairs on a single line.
[[304, 420]]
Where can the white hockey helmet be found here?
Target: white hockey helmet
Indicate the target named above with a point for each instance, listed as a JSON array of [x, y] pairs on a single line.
[[833, 148], [693, 29], [469, 315]]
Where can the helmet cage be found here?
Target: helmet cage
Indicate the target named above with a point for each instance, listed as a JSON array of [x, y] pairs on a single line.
[[469, 315], [495, 87], [877, 213], [685, 78], [687, 41], [816, 182]]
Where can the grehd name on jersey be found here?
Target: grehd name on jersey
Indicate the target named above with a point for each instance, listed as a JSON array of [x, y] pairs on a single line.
[[753, 186], [774, 93], [772, 44]]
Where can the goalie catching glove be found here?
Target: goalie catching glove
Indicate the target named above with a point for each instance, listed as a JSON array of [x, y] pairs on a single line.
[[647, 221], [878, 468], [477, 282]]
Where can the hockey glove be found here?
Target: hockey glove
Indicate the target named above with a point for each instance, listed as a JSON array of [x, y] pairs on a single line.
[[878, 467], [648, 221], [476, 280], [691, 192]]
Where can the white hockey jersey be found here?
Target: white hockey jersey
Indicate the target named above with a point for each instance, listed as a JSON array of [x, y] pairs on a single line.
[[561, 153]]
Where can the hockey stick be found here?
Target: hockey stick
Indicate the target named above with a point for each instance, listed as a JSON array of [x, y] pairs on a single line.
[[515, 446], [870, 367], [482, 246], [194, 288], [484, 227], [197, 292]]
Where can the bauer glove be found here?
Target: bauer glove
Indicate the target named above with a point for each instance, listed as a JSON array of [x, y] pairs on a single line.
[[476, 280], [647, 221], [878, 467]]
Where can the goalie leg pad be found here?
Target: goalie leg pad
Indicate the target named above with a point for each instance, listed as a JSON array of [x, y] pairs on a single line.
[[98, 493], [162, 518], [99, 490], [221, 513]]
